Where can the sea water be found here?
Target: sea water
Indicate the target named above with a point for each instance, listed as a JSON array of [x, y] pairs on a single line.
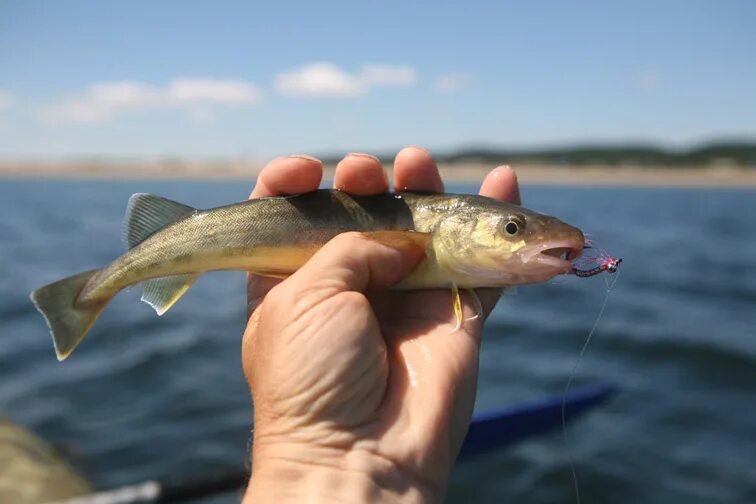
[[147, 397]]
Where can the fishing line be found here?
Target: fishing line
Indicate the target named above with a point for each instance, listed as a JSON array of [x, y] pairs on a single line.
[[609, 286]]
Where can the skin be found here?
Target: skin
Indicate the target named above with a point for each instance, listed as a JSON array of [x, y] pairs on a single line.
[[360, 394]]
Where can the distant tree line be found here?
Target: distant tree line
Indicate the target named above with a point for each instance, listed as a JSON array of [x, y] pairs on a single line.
[[742, 154]]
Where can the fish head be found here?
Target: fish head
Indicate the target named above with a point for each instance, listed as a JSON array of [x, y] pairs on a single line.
[[500, 244]]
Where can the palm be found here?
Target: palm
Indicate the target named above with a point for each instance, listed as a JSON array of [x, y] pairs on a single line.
[[392, 374], [388, 387], [433, 370]]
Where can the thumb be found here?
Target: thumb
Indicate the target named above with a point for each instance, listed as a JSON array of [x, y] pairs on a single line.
[[358, 262]]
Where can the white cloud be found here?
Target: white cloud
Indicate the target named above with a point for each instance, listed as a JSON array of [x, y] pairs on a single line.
[[229, 92], [104, 101], [319, 79], [6, 100], [388, 75], [324, 79], [452, 83]]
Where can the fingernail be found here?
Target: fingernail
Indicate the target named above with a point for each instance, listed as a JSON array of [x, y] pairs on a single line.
[[363, 155], [304, 156], [413, 146], [496, 172]]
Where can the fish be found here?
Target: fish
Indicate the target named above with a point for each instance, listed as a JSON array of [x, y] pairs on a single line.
[[469, 242]]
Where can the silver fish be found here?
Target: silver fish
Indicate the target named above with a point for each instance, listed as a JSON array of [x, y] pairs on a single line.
[[469, 242]]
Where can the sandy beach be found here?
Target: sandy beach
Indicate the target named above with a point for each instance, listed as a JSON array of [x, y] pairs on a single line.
[[714, 176]]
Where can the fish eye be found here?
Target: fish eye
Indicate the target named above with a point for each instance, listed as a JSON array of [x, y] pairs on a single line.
[[514, 225]]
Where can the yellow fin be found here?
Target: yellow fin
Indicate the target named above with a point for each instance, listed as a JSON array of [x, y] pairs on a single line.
[[400, 239], [459, 313], [457, 305]]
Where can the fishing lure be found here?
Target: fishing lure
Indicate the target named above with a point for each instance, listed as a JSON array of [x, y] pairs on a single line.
[[609, 265], [603, 262], [588, 265]]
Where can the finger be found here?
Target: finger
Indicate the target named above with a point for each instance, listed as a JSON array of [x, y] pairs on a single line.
[[501, 184], [361, 174], [355, 262], [288, 175], [415, 170], [283, 175]]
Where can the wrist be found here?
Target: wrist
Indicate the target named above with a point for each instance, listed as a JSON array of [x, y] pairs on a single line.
[[324, 474]]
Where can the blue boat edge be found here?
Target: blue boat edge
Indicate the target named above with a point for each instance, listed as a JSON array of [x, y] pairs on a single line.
[[493, 429]]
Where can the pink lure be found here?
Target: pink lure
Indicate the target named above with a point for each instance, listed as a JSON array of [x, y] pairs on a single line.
[[604, 261]]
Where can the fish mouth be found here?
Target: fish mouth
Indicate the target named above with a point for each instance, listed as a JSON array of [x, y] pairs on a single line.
[[558, 254]]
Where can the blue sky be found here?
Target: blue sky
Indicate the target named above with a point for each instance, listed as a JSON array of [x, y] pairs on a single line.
[[251, 79]]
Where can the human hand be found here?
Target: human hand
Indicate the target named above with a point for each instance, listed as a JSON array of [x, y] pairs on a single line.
[[360, 393]]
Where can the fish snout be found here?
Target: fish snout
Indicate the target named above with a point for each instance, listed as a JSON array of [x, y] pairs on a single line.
[[554, 254], [568, 244]]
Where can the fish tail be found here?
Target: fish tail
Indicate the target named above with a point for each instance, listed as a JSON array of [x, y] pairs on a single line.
[[67, 320]]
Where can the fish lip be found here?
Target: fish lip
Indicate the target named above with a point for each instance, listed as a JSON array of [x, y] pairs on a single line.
[[572, 248]]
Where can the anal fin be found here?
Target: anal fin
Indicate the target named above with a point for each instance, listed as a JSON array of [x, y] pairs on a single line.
[[162, 293]]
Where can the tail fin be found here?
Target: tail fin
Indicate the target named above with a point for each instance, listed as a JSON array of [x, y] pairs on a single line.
[[68, 323]]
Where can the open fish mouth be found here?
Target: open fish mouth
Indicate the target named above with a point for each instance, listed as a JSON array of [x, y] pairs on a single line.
[[558, 254]]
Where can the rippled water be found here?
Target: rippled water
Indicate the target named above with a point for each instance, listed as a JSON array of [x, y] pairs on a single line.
[[150, 397]]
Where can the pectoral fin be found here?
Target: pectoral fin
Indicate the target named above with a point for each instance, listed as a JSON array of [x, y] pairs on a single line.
[[400, 239], [162, 293]]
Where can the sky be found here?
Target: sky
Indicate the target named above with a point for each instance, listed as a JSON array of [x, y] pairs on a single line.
[[143, 79]]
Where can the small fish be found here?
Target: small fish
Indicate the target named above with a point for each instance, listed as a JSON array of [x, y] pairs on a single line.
[[469, 242]]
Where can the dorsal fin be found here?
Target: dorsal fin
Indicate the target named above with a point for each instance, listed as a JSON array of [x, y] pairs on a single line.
[[147, 214]]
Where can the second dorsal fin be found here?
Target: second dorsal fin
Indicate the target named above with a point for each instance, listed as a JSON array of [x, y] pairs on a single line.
[[147, 214]]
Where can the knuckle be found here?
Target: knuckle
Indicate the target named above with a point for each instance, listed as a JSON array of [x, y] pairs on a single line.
[[277, 295], [350, 239], [352, 301]]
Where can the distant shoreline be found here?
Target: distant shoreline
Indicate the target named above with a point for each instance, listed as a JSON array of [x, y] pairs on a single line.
[[714, 176]]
